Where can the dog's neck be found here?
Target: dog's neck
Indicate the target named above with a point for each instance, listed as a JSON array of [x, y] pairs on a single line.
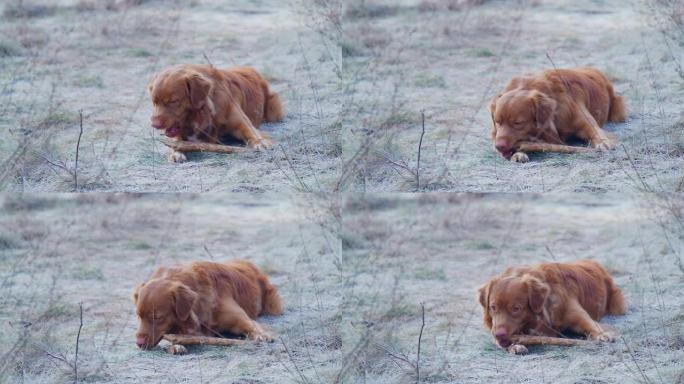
[[200, 125], [191, 326], [542, 324]]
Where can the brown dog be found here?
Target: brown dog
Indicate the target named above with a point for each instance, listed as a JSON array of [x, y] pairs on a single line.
[[552, 107], [547, 299], [204, 298], [202, 103]]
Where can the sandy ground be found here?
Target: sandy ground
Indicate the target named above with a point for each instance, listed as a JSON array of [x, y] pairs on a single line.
[[449, 58], [404, 250], [98, 56], [59, 251]]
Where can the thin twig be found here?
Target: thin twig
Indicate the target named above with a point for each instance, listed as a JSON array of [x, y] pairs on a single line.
[[294, 363], [62, 166], [78, 338], [207, 59], [396, 355], [206, 249], [420, 145], [385, 156], [420, 338], [636, 363], [299, 179], [550, 252], [57, 357], [78, 146], [634, 168]]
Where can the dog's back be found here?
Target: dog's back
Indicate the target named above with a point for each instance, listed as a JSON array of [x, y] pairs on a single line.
[[588, 282]]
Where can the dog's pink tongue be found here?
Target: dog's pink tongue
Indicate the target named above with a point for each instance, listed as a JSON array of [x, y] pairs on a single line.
[[171, 132]]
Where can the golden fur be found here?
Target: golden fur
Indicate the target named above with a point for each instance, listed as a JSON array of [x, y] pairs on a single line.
[[548, 299], [554, 106], [203, 103], [204, 298]]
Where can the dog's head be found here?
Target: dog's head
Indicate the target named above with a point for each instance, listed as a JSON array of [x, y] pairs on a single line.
[[511, 304], [162, 306], [176, 93], [522, 115]]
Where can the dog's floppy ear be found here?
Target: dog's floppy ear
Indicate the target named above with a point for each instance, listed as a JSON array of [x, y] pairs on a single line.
[[136, 293], [198, 90], [150, 85], [545, 110], [492, 104], [537, 291], [492, 111], [184, 299], [545, 107], [483, 298]]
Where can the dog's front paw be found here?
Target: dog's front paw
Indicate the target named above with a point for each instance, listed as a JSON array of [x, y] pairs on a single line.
[[520, 157], [177, 157], [260, 144], [517, 349], [176, 349], [261, 337], [604, 337], [604, 144]]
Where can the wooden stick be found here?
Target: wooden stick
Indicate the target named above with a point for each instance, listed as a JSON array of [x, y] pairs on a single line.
[[202, 340], [546, 340], [546, 147], [191, 146]]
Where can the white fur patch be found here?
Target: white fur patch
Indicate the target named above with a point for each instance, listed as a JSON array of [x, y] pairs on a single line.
[[177, 157]]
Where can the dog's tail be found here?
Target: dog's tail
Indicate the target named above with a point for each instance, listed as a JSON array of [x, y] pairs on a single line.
[[616, 301], [617, 112], [271, 302], [273, 110]]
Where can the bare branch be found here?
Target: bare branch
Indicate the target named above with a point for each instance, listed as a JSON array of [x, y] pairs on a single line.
[[420, 146], [78, 146], [80, 305], [189, 146], [557, 148], [422, 325], [545, 340], [202, 340]]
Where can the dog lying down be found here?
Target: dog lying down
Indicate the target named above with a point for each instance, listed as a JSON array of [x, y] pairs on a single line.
[[205, 299], [553, 107], [200, 103], [549, 299]]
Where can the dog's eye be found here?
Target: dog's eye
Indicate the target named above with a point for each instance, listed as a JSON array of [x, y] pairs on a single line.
[[492, 307], [515, 309], [518, 123]]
